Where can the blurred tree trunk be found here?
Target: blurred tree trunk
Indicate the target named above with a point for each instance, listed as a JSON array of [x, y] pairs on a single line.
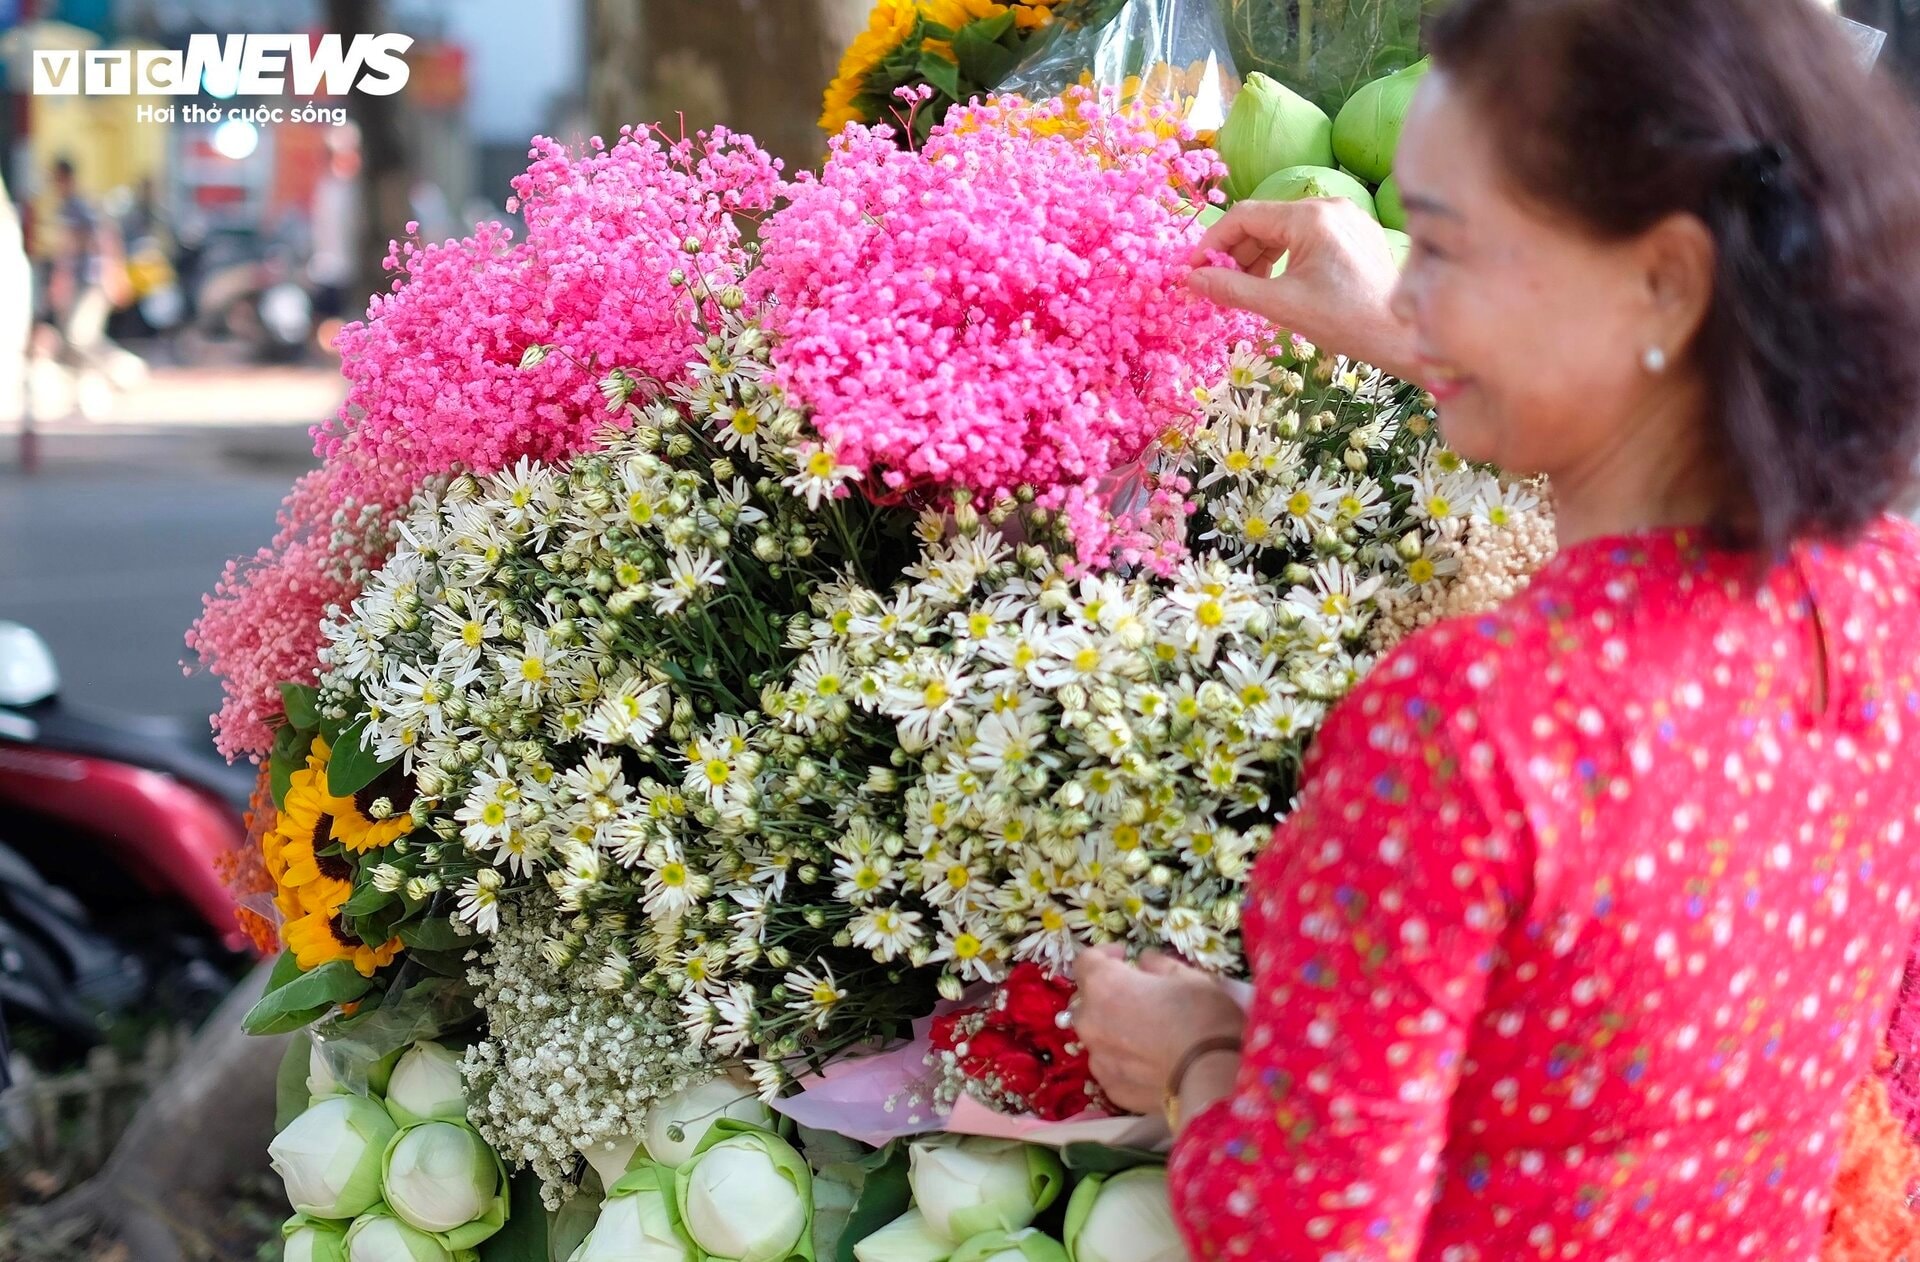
[[758, 66], [386, 173]]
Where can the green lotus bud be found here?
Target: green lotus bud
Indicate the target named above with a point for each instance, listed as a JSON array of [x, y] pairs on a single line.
[[746, 1196], [638, 1222], [380, 1237], [1297, 184], [426, 1086], [1386, 201], [905, 1239], [1270, 128], [321, 1080], [1399, 244], [329, 1156], [310, 1239], [676, 1125], [1011, 1246], [1367, 131], [966, 1185], [443, 1179], [1123, 1217]]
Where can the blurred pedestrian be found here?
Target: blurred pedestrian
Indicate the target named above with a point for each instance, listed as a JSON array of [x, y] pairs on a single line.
[[16, 310], [86, 278]]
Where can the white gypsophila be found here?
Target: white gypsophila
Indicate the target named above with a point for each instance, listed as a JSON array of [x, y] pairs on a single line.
[[564, 1065]]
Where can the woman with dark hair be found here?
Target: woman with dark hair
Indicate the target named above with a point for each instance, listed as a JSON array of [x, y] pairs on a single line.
[[1592, 910]]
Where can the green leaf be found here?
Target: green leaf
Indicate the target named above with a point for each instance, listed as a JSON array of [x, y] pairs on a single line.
[[435, 933], [353, 766], [1107, 1159], [368, 899], [991, 29], [451, 964], [306, 998], [290, 1098], [524, 1238], [288, 756], [941, 73], [859, 1198], [302, 704], [569, 1225], [983, 59]]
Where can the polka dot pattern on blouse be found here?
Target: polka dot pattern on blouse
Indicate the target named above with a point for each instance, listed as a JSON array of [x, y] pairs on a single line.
[[1588, 915]]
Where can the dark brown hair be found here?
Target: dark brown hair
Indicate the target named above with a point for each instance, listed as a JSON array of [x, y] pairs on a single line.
[[1756, 117]]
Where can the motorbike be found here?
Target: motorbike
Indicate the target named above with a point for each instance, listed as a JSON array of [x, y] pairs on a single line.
[[112, 830]]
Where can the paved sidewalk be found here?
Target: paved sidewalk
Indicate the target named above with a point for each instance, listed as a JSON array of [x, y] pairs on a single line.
[[206, 397]]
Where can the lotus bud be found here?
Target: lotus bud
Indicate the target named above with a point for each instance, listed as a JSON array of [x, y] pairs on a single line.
[[905, 1239], [1125, 1217], [313, 1240], [676, 1125], [1367, 131], [1298, 184], [441, 1177], [1270, 128], [321, 1080], [330, 1156], [747, 1196], [427, 1086], [1011, 1246], [966, 1185], [1386, 201], [638, 1222], [379, 1237]]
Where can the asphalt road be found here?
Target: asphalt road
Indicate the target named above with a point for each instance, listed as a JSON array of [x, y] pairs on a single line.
[[107, 549]]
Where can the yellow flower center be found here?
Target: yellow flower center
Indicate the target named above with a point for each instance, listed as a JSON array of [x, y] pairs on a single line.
[[640, 507], [1210, 614], [533, 670], [673, 874], [717, 771], [472, 634], [1257, 529], [967, 947], [1052, 921], [958, 876], [745, 423], [867, 879], [1420, 570], [1086, 659], [825, 995], [493, 814], [1300, 503], [934, 695], [1438, 506], [820, 464]]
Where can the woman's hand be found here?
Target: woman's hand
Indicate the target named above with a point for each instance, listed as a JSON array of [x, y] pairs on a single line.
[[1136, 1021], [1337, 290]]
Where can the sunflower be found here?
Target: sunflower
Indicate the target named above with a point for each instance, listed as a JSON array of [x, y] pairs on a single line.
[[354, 825], [321, 937], [890, 25]]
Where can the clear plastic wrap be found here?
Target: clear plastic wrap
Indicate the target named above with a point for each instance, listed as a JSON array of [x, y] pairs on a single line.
[[1149, 50], [1325, 49]]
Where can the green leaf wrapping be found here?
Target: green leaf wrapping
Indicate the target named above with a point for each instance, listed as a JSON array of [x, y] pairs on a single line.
[[290, 1098], [853, 1198]]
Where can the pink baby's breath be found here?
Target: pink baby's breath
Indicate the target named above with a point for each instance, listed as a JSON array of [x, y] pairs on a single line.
[[435, 382], [1006, 308]]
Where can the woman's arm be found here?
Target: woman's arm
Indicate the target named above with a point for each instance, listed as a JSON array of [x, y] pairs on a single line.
[[1337, 290], [1373, 924]]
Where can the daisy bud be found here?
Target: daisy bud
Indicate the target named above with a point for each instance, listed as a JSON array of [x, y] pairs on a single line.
[[951, 988], [1411, 545], [779, 957], [732, 298]]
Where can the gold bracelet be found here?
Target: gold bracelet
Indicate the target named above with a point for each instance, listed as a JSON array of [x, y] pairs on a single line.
[[1170, 1097]]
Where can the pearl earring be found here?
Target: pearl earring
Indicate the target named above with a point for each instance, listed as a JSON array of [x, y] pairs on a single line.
[[1655, 360]]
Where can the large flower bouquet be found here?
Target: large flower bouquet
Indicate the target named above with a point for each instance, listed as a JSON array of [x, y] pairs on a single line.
[[706, 659]]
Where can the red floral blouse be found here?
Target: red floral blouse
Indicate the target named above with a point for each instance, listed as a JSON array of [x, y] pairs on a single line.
[[1590, 912]]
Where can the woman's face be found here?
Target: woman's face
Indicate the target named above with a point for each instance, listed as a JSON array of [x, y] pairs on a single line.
[[1532, 334]]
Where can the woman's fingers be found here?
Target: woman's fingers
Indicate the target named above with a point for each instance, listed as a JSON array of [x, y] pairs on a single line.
[[1246, 290]]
